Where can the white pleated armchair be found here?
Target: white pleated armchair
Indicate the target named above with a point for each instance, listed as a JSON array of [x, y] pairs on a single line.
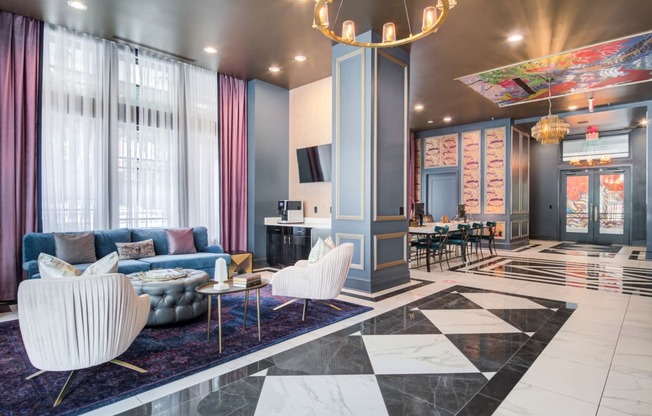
[[72, 323], [321, 280]]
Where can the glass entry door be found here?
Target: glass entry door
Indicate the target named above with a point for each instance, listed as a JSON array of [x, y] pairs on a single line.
[[596, 206]]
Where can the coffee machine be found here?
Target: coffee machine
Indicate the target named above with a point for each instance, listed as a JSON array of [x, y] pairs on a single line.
[[291, 212]]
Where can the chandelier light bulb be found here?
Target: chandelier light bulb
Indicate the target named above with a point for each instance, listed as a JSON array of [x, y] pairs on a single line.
[[323, 17], [429, 18], [389, 32], [348, 31]]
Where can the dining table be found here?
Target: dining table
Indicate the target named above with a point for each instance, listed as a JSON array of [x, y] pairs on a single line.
[[428, 231]]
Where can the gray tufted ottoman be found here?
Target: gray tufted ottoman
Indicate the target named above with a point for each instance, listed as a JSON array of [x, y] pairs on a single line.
[[174, 300]]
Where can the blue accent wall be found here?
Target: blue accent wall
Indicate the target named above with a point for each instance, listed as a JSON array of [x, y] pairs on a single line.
[[268, 144]]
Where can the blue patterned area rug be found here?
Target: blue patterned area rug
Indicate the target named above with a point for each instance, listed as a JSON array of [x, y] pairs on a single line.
[[168, 353]]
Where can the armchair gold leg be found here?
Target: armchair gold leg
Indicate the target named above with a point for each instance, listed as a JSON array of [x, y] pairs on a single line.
[[38, 373], [289, 302], [127, 365], [329, 304], [305, 309], [64, 390]]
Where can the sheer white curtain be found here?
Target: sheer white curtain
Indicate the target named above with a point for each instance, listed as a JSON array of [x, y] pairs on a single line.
[[148, 141], [202, 149], [129, 139], [74, 147]]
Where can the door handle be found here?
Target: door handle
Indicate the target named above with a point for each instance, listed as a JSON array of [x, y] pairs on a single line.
[[595, 212]]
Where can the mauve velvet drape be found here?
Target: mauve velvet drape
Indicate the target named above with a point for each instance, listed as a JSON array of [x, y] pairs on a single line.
[[19, 73], [233, 162]]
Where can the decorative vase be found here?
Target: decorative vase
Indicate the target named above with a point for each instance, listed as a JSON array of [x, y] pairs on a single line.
[[221, 275]]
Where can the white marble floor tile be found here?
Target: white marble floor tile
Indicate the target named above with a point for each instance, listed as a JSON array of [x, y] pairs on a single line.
[[468, 321], [634, 356], [569, 378], [605, 411], [578, 349], [350, 395], [415, 354], [591, 333], [628, 393], [498, 301], [528, 400]]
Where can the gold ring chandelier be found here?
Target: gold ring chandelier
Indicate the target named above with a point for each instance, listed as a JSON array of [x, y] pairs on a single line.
[[433, 17]]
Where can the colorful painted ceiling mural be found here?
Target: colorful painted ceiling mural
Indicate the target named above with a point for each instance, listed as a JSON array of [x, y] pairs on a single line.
[[619, 62]]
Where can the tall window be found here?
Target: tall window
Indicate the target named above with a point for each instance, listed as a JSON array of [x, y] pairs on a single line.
[[148, 141], [74, 150], [129, 138]]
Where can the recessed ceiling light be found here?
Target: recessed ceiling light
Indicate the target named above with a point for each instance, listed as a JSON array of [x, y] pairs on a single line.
[[77, 4], [210, 49], [448, 119], [430, 121], [515, 37], [572, 107], [274, 69], [418, 107], [300, 58]]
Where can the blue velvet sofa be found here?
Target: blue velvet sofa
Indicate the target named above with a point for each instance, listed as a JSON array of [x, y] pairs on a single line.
[[37, 243]]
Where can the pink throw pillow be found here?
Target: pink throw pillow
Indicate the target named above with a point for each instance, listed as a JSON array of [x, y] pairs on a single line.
[[180, 241]]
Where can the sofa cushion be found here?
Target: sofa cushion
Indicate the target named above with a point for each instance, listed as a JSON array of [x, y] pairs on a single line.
[[132, 266], [37, 243], [180, 241], [75, 247], [185, 261], [105, 240], [201, 237], [156, 234]]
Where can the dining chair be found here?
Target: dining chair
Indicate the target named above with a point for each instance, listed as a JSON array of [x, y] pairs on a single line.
[[459, 238], [491, 236], [436, 245], [475, 238]]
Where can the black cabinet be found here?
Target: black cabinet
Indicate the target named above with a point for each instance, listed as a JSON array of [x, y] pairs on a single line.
[[287, 245]]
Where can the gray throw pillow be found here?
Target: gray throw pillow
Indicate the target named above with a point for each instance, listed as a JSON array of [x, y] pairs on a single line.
[[75, 248]]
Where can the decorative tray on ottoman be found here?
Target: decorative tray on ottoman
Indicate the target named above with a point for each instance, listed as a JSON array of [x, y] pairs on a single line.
[[160, 275]]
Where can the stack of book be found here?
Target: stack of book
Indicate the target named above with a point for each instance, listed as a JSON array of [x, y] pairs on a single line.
[[246, 280]]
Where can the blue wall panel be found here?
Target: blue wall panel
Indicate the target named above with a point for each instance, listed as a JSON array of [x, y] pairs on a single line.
[[268, 131]]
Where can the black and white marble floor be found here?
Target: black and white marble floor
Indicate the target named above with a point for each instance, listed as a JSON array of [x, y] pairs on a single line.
[[580, 249], [470, 342]]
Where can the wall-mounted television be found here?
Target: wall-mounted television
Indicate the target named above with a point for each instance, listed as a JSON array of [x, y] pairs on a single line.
[[315, 163]]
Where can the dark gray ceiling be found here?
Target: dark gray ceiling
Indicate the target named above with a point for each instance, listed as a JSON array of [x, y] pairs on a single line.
[[251, 35]]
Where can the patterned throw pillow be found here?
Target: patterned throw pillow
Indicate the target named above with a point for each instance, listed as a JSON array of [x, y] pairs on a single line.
[[51, 267], [106, 265], [136, 250]]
